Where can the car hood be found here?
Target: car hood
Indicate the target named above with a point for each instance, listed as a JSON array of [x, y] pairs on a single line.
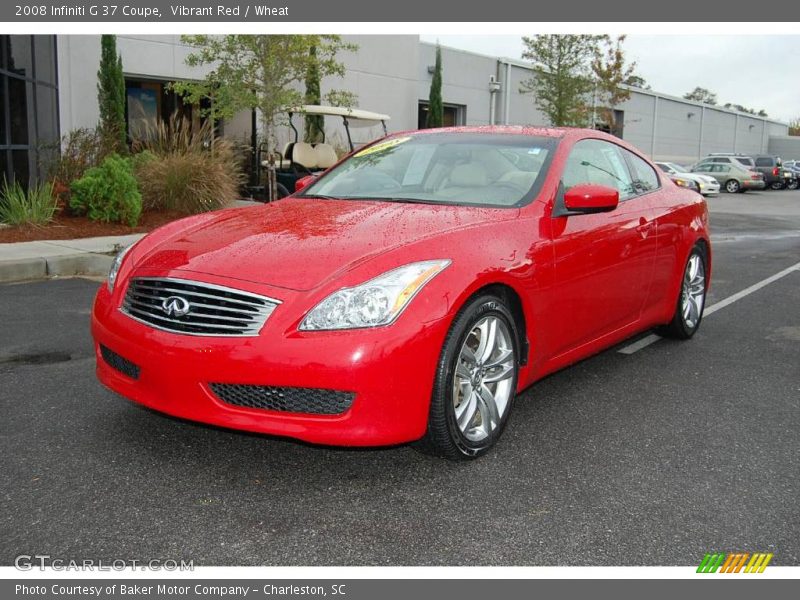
[[700, 176], [300, 243]]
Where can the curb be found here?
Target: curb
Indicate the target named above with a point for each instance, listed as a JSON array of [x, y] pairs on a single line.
[[83, 263]]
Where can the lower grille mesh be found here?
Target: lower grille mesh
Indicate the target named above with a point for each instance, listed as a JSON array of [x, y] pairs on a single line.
[[123, 365], [284, 399]]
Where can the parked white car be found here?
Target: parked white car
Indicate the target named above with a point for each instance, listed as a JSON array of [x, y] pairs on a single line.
[[708, 185]]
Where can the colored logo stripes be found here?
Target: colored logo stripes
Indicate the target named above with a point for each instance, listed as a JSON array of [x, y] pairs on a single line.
[[735, 562]]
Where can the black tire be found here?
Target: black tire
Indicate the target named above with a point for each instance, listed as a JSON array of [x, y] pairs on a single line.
[[443, 437], [793, 184], [732, 186], [776, 185], [677, 328]]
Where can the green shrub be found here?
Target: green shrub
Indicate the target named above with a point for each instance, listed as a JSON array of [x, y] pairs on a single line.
[[36, 207], [189, 170], [140, 159], [108, 192]]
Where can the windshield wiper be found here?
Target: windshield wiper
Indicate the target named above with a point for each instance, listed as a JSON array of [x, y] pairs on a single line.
[[398, 200], [321, 197]]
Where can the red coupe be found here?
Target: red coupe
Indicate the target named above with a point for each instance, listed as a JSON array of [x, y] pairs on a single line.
[[408, 294]]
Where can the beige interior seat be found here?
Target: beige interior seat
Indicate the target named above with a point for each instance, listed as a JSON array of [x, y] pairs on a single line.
[[325, 156], [286, 161], [464, 177], [521, 179], [303, 154]]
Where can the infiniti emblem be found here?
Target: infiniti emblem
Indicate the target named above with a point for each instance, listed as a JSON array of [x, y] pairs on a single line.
[[175, 306]]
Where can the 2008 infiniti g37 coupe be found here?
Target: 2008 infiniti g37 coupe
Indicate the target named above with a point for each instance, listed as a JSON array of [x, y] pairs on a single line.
[[410, 292]]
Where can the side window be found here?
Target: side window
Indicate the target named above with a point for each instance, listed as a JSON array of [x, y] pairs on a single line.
[[598, 162], [704, 168], [645, 177], [764, 162]]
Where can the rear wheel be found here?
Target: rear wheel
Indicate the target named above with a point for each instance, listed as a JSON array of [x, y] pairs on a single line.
[[732, 186], [476, 381], [776, 185], [793, 184], [692, 299]]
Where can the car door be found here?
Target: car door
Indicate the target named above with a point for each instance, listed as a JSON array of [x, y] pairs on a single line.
[[722, 173], [602, 262], [707, 169]]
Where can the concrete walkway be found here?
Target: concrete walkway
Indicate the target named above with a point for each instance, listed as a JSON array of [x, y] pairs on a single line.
[[51, 258], [64, 258]]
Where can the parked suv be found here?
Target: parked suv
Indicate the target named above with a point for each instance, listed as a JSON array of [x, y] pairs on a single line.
[[728, 158], [772, 170]]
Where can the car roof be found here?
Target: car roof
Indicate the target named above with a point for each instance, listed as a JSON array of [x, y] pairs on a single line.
[[552, 132]]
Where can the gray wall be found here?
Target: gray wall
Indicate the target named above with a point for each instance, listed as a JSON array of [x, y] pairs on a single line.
[[787, 147]]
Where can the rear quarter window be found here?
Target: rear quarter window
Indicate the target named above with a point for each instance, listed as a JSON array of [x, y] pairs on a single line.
[[645, 177]]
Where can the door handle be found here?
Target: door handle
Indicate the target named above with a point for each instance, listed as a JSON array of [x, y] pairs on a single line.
[[645, 227]]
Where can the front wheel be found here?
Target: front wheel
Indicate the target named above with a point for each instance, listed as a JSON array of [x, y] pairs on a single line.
[[476, 381], [793, 184], [732, 186], [692, 299]]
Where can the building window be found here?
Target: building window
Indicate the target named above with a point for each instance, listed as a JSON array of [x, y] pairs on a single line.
[[454, 114], [28, 105], [150, 101]]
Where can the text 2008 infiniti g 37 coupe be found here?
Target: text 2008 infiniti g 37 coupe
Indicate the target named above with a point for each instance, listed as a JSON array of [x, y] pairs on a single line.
[[410, 292]]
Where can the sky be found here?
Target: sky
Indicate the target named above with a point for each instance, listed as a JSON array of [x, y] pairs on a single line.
[[756, 71]]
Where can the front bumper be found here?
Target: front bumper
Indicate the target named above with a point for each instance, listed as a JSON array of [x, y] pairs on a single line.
[[390, 370], [709, 188]]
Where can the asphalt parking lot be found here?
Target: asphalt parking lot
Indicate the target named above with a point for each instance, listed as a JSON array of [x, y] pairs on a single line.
[[649, 458]]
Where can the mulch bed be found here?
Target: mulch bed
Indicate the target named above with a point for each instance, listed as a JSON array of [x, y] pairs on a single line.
[[68, 228]]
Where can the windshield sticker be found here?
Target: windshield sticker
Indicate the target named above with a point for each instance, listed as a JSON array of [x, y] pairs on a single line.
[[382, 146], [534, 151]]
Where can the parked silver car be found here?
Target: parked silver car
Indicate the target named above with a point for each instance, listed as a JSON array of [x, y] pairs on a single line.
[[732, 176]]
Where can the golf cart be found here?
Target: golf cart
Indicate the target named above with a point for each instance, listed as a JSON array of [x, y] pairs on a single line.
[[301, 159]]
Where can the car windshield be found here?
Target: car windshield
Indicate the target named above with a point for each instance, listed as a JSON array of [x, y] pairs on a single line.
[[677, 168], [442, 168]]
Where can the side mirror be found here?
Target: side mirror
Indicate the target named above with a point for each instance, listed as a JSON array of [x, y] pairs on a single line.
[[589, 198], [303, 182]]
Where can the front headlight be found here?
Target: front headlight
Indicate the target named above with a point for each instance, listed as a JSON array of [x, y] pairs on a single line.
[[112, 273], [376, 302]]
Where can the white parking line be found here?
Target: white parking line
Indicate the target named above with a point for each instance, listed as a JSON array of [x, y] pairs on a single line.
[[646, 341]]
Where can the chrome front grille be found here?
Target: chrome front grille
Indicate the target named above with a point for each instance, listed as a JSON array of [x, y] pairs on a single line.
[[196, 308]]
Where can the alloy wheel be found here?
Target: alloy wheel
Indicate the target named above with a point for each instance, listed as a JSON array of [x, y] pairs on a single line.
[[693, 292], [732, 186], [482, 384]]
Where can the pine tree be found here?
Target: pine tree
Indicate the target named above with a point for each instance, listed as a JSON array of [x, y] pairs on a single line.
[[315, 124], [435, 108], [111, 95]]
